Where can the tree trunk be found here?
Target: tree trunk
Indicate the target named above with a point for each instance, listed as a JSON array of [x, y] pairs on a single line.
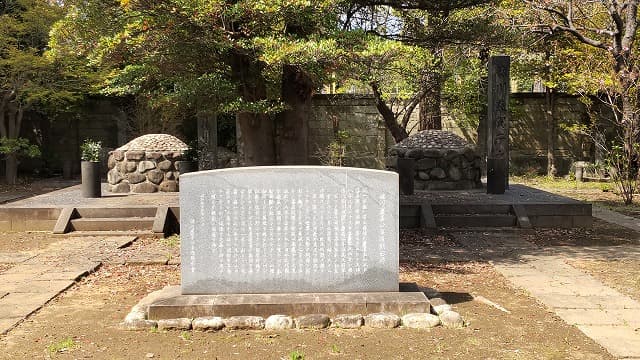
[[389, 117], [11, 169], [483, 111], [430, 110], [207, 140], [293, 123], [552, 131], [258, 130], [430, 104]]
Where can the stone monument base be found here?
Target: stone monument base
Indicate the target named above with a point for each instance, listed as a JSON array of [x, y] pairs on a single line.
[[169, 303]]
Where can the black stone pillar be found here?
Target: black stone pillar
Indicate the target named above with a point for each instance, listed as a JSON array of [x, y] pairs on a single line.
[[207, 141], [406, 173], [498, 125]]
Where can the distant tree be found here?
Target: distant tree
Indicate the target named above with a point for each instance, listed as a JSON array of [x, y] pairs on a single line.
[[258, 59], [610, 27], [433, 26], [29, 78]]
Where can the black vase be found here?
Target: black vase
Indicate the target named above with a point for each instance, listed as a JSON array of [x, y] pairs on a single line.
[[187, 166], [91, 186]]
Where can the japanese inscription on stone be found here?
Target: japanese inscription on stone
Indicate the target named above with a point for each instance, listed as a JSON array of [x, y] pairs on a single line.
[[289, 229], [498, 121]]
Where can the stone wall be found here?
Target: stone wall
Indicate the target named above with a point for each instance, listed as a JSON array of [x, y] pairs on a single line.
[[359, 116], [367, 137], [143, 171], [104, 119]]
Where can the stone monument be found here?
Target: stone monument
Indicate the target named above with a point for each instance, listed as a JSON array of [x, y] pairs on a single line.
[[289, 229], [263, 242], [498, 125]]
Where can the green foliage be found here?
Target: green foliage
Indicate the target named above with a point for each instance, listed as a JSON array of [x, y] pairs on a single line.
[[90, 150], [28, 72], [177, 54], [19, 147], [296, 355], [61, 346], [623, 163], [171, 241]]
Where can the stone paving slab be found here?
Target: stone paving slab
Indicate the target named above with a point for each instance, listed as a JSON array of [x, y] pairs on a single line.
[[619, 252], [608, 317], [23, 304], [620, 341], [30, 269], [616, 218], [588, 317], [7, 324], [46, 286], [37, 279], [15, 258], [11, 278]]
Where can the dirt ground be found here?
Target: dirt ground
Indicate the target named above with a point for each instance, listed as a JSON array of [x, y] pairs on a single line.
[[84, 321], [601, 233], [25, 241]]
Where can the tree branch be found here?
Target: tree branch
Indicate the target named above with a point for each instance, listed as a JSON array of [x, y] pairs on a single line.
[[389, 117]]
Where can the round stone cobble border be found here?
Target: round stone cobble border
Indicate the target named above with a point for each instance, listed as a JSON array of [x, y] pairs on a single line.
[[441, 315]]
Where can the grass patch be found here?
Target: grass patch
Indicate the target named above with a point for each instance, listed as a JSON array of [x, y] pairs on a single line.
[[601, 194], [171, 241], [296, 355], [61, 346], [561, 183]]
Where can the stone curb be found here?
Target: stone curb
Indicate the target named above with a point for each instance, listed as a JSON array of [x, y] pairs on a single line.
[[441, 315], [135, 321]]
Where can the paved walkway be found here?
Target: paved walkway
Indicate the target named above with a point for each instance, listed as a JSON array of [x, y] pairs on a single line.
[[608, 317], [37, 277]]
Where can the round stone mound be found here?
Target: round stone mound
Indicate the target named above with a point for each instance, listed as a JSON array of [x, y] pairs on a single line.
[[442, 160], [155, 142], [433, 139], [147, 164]]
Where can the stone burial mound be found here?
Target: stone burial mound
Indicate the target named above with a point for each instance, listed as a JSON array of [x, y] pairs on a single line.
[[443, 161], [147, 164]]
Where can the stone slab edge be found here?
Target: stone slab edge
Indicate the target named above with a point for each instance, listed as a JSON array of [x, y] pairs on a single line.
[[63, 223], [439, 314]]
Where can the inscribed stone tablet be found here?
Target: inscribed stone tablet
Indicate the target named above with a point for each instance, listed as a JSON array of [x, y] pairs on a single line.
[[289, 229]]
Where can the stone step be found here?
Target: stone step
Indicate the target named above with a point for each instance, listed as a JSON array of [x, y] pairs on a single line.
[[476, 220], [137, 233], [112, 224], [120, 212], [464, 209]]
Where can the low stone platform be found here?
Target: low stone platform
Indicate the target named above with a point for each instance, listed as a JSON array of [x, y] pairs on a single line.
[[520, 206], [170, 304]]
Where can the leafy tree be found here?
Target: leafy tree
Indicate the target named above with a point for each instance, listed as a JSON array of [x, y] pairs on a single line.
[[259, 59], [611, 28], [390, 69], [434, 26], [29, 78]]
